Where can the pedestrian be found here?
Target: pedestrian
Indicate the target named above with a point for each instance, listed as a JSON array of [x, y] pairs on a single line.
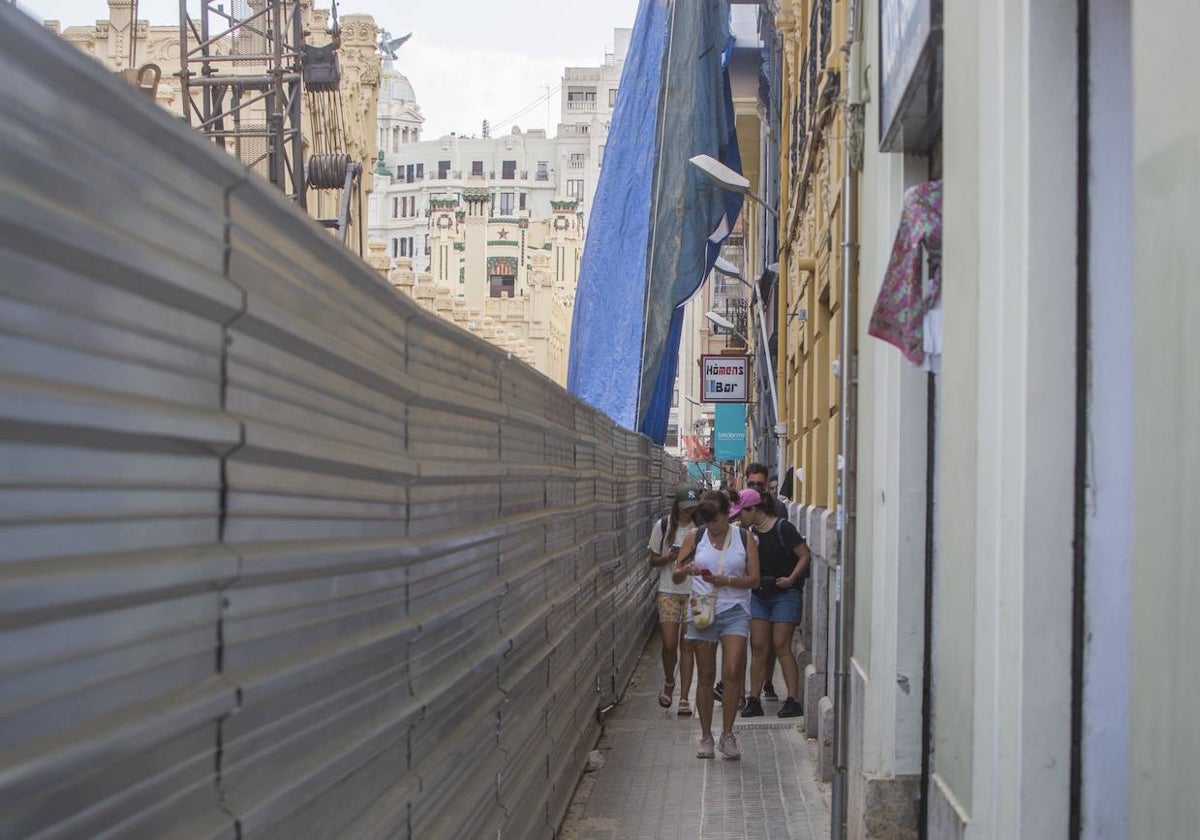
[[666, 537], [775, 604], [756, 479], [722, 562]]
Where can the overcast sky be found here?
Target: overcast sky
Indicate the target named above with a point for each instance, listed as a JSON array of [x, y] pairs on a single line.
[[468, 60]]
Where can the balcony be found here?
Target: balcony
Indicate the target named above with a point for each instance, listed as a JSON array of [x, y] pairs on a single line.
[[581, 106]]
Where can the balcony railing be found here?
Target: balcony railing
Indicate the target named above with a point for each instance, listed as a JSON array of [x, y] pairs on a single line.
[[581, 106]]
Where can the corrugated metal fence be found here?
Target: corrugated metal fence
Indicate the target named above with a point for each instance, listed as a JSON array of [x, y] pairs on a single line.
[[283, 556]]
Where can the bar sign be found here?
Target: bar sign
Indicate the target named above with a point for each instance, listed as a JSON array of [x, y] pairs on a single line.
[[724, 379]]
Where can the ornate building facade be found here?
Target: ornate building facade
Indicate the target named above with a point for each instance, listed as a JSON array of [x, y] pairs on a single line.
[[509, 279], [488, 231]]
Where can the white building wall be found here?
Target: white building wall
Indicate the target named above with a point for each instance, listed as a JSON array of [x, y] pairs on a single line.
[[585, 123], [526, 150], [1009, 292], [1165, 683]]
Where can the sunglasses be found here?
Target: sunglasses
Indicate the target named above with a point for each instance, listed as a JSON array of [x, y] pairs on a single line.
[[757, 485]]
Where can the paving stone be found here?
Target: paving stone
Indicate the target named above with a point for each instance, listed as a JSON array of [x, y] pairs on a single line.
[[652, 784]]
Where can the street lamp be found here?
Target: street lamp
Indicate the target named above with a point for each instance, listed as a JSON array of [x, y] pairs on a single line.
[[726, 178], [718, 320]]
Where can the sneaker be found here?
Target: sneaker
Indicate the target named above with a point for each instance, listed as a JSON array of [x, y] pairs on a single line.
[[718, 690], [706, 747], [769, 693], [790, 708], [753, 708], [729, 747]]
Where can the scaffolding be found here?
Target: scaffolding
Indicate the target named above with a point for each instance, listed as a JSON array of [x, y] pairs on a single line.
[[245, 75], [241, 81]]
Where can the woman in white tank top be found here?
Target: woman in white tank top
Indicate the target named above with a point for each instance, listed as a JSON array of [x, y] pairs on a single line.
[[721, 560]]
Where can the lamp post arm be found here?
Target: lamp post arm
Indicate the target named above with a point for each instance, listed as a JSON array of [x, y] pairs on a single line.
[[767, 207]]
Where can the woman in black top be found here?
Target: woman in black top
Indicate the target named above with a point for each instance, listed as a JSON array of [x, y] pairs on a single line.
[[775, 605]]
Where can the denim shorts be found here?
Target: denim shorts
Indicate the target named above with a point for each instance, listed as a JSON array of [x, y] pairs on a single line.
[[731, 622], [782, 607]]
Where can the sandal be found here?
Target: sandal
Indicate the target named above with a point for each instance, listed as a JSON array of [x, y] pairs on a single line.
[[685, 708], [664, 696]]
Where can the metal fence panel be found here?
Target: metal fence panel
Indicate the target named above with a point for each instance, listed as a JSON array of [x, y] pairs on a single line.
[[284, 556]]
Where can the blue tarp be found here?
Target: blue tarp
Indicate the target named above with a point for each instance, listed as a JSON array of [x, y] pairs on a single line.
[[656, 224]]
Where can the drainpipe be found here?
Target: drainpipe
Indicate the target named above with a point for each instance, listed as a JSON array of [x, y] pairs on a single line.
[[849, 428]]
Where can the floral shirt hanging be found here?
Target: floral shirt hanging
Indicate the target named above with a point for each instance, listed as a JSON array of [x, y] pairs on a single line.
[[904, 301]]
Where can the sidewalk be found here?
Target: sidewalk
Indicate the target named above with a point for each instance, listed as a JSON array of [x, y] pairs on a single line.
[[652, 786]]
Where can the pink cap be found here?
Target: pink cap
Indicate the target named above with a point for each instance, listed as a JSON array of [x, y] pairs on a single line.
[[748, 498]]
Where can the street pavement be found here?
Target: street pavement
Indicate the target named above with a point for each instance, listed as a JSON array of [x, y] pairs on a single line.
[[652, 786]]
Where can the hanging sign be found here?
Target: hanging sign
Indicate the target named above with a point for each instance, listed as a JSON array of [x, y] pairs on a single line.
[[724, 379], [730, 432]]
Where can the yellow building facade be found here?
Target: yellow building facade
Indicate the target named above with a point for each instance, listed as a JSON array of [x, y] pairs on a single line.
[[810, 312]]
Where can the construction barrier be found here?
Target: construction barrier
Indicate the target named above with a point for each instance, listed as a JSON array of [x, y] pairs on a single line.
[[283, 555]]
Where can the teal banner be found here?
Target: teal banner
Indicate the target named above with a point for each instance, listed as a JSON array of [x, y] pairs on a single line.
[[731, 431]]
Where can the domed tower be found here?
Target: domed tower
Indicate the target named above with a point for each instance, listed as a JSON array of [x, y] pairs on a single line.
[[399, 115]]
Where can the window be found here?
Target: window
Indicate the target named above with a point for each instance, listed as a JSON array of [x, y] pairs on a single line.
[[612, 97], [575, 189], [395, 247], [672, 440], [600, 157], [427, 244], [477, 168], [576, 160], [501, 286], [521, 200], [508, 170], [543, 170], [395, 139], [506, 204], [395, 209], [404, 247], [420, 172], [443, 170]]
